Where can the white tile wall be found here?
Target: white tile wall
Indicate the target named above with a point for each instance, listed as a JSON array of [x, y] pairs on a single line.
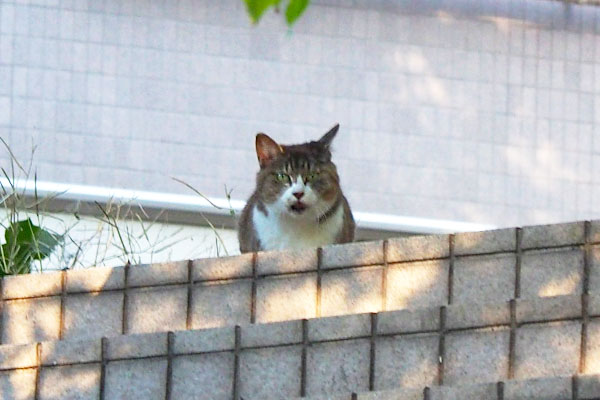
[[482, 111]]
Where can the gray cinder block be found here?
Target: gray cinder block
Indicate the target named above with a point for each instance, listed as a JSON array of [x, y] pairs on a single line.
[[351, 291], [158, 274], [18, 356], [592, 358], [271, 372], [95, 279], [473, 315], [551, 388], [31, 285], [270, 334], [589, 386], [417, 284], [223, 267], [88, 316], [550, 349], [286, 297], [407, 321], [551, 273], [398, 394], [203, 377], [141, 345], [406, 361], [500, 240], [157, 309], [286, 261], [338, 367], [221, 304], [484, 279], [31, 320], [418, 248], [352, 254], [476, 356], [205, 340], [552, 235], [74, 382], [543, 309], [340, 327], [70, 352], [463, 392], [18, 384], [139, 379]]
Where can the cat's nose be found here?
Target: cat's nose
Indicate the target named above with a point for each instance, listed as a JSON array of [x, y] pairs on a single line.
[[298, 195]]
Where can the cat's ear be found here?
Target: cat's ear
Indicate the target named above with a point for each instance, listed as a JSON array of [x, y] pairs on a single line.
[[328, 137], [266, 149]]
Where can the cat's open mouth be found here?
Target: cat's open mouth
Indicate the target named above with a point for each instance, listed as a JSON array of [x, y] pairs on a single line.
[[298, 207]]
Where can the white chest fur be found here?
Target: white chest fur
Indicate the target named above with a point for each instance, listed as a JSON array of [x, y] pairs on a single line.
[[276, 231]]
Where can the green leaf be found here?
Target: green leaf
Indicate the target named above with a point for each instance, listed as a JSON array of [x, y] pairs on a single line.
[[295, 9], [25, 242], [256, 8]]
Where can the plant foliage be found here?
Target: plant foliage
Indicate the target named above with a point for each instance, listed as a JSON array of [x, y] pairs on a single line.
[[293, 10]]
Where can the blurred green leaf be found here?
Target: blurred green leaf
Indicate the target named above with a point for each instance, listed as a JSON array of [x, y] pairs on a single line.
[[256, 8], [24, 243], [295, 9]]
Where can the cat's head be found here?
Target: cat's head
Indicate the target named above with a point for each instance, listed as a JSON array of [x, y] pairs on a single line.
[[297, 180]]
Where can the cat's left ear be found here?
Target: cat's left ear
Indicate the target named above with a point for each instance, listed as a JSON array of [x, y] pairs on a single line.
[[328, 137], [267, 149]]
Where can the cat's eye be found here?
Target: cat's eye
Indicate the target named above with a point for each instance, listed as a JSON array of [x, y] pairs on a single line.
[[311, 176], [281, 177]]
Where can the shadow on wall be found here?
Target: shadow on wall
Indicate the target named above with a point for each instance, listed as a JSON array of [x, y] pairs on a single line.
[[96, 309]]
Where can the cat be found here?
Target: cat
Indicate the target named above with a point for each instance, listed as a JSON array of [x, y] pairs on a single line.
[[298, 202]]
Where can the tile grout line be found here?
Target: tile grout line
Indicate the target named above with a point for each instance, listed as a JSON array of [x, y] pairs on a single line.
[[38, 369], [236, 363], [169, 383], [384, 276], [63, 295], [441, 345], [303, 369], [125, 299], [103, 362], [585, 298], [372, 352], [319, 278], [518, 256], [512, 339], [253, 289], [451, 260], [427, 393], [500, 391], [190, 286]]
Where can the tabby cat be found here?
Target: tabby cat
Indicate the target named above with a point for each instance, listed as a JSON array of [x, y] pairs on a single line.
[[298, 201]]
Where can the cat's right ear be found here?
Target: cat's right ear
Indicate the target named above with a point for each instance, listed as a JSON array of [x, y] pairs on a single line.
[[267, 149]]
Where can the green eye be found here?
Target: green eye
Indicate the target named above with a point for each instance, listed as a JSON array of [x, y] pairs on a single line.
[[312, 176], [281, 177]]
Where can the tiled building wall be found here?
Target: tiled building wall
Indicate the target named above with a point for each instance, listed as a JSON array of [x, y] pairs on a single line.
[[476, 110]]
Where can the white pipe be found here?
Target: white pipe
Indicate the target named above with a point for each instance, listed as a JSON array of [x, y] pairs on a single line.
[[181, 202]]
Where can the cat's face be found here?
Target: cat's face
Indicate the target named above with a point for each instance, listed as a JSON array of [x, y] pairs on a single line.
[[297, 180]]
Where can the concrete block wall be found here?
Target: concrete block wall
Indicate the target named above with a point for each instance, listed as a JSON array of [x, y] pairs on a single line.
[[419, 350], [482, 111], [499, 314], [399, 273]]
